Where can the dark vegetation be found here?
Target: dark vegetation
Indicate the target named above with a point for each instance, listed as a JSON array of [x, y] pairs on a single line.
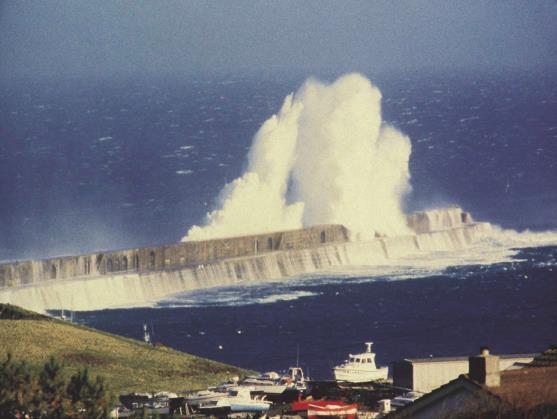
[[10, 312], [46, 394]]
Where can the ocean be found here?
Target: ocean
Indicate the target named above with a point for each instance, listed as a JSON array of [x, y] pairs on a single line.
[[97, 165], [510, 307]]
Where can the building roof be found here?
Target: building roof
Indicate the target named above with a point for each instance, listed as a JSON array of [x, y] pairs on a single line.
[[461, 385], [527, 392], [547, 358], [529, 386], [465, 358]]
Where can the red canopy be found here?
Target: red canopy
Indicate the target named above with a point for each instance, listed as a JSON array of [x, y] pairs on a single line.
[[348, 411], [304, 404]]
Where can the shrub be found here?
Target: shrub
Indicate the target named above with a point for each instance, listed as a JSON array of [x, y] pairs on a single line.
[[47, 395]]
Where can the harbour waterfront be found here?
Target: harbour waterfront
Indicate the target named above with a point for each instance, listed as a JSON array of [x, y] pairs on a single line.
[[510, 306], [147, 192], [213, 208]]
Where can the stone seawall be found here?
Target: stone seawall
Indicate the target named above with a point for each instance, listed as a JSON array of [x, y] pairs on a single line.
[[138, 276], [168, 257], [119, 289]]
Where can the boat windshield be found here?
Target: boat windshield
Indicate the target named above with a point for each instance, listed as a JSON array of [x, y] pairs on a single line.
[[358, 360]]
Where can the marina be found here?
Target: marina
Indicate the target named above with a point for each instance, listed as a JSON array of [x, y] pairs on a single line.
[[288, 393], [251, 396]]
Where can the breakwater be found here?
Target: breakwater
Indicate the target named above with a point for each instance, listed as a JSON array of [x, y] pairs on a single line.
[[136, 276]]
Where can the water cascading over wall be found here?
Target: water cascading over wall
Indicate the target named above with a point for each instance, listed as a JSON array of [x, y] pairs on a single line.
[[225, 262]]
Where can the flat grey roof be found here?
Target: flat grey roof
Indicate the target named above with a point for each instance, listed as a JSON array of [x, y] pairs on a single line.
[[465, 358]]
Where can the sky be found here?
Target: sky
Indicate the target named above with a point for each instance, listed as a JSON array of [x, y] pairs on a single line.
[[115, 39]]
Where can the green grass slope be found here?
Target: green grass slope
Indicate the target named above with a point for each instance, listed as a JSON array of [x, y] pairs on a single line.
[[126, 364]]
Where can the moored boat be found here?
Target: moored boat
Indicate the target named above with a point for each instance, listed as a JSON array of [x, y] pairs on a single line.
[[203, 396], [406, 398], [212, 394], [152, 404], [237, 400], [274, 383], [360, 368]]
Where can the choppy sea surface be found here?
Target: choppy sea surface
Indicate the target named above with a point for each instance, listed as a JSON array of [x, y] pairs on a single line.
[[103, 165], [511, 307]]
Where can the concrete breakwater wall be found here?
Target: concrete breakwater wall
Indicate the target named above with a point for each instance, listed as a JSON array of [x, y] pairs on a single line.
[[133, 288], [188, 254], [168, 257]]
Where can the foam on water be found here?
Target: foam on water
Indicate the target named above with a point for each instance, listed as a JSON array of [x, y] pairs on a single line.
[[496, 251], [234, 297]]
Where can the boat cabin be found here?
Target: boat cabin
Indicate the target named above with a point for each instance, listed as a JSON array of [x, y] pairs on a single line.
[[366, 358], [361, 359]]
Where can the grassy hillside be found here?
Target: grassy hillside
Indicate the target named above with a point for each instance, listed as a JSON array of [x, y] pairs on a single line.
[[126, 364]]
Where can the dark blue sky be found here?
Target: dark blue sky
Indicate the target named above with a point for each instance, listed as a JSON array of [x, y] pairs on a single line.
[[127, 39]]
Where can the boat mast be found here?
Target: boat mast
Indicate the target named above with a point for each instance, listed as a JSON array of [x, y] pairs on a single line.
[[146, 335]]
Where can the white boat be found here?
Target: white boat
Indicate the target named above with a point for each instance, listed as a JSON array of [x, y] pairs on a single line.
[[360, 368], [273, 383], [151, 404], [212, 394], [237, 400], [296, 379], [204, 396], [406, 398], [268, 382]]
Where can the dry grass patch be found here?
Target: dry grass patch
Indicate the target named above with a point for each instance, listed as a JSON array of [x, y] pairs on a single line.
[[126, 364]]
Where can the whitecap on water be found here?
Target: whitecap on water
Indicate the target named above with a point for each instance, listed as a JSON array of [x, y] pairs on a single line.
[[235, 297], [495, 253]]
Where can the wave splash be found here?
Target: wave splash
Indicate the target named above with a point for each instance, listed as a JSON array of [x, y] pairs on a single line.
[[326, 158]]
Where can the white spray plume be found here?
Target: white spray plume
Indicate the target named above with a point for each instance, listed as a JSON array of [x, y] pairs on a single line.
[[343, 164], [256, 202]]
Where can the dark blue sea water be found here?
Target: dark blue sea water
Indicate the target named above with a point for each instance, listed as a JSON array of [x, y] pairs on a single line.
[[511, 307], [102, 165]]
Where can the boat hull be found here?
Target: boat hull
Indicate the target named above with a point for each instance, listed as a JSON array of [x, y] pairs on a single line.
[[249, 407], [352, 375], [204, 397], [225, 408]]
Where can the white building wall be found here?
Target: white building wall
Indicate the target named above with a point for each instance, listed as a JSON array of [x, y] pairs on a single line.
[[429, 375]]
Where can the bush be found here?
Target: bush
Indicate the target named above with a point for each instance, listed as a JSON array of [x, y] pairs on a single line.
[[47, 395], [10, 312]]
